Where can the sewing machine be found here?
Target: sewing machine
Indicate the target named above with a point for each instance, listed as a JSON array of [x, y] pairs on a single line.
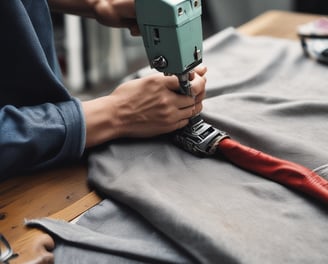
[[172, 35]]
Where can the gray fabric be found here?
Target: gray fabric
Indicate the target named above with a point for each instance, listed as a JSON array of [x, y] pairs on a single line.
[[111, 233], [266, 95]]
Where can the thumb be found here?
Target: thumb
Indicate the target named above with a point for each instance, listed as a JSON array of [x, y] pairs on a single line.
[[172, 83]]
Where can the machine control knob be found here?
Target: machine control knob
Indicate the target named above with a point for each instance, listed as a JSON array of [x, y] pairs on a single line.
[[159, 63]]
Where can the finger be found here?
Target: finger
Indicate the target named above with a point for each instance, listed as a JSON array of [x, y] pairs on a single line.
[[191, 75], [200, 97], [201, 70], [131, 24], [181, 123], [47, 258], [183, 101], [48, 243], [44, 243], [134, 30], [42, 248], [198, 85], [198, 108], [172, 83], [126, 8], [194, 110], [186, 113]]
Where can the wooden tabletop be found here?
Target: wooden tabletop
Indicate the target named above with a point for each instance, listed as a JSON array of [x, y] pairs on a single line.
[[64, 193], [277, 24], [37, 195]]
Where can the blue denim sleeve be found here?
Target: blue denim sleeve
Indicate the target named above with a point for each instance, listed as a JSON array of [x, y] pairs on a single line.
[[40, 136]]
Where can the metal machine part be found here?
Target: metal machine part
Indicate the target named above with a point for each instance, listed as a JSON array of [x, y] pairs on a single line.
[[173, 37], [185, 87], [314, 39], [199, 137], [315, 47]]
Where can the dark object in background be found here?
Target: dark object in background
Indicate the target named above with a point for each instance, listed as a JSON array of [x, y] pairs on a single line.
[[312, 6]]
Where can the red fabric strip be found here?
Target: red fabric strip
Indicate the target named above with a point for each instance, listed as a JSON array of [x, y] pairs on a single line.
[[285, 172]]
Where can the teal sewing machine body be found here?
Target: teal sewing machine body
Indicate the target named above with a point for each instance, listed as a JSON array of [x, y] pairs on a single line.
[[172, 34]]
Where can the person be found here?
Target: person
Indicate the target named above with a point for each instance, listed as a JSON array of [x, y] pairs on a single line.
[[42, 125]]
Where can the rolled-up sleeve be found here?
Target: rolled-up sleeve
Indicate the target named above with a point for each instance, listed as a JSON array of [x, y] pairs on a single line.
[[40, 136]]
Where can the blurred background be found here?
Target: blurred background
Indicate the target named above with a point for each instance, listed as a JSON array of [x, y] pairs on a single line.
[[94, 58]]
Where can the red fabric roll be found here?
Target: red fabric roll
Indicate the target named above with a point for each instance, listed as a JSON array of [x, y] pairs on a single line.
[[285, 172]]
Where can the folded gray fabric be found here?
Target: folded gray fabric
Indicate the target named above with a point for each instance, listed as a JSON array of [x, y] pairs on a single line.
[[111, 233], [266, 95]]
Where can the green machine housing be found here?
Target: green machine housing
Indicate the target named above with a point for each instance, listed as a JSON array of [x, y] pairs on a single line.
[[172, 34], [173, 37]]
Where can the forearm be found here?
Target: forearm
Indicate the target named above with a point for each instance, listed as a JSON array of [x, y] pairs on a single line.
[[100, 121], [40, 136], [75, 7]]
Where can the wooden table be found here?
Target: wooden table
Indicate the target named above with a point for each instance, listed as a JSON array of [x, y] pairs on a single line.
[[277, 24], [64, 193], [61, 193]]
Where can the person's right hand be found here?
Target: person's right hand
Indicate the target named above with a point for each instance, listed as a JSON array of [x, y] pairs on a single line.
[[144, 107]]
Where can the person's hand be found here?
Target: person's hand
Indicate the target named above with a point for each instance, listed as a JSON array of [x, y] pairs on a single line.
[[150, 106], [116, 13], [113, 13], [35, 248], [143, 107]]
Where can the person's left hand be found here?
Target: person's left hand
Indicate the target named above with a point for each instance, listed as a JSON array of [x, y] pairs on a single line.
[[116, 13], [35, 247]]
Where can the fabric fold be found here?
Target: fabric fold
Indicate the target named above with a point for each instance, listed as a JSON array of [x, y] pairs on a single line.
[[266, 95]]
